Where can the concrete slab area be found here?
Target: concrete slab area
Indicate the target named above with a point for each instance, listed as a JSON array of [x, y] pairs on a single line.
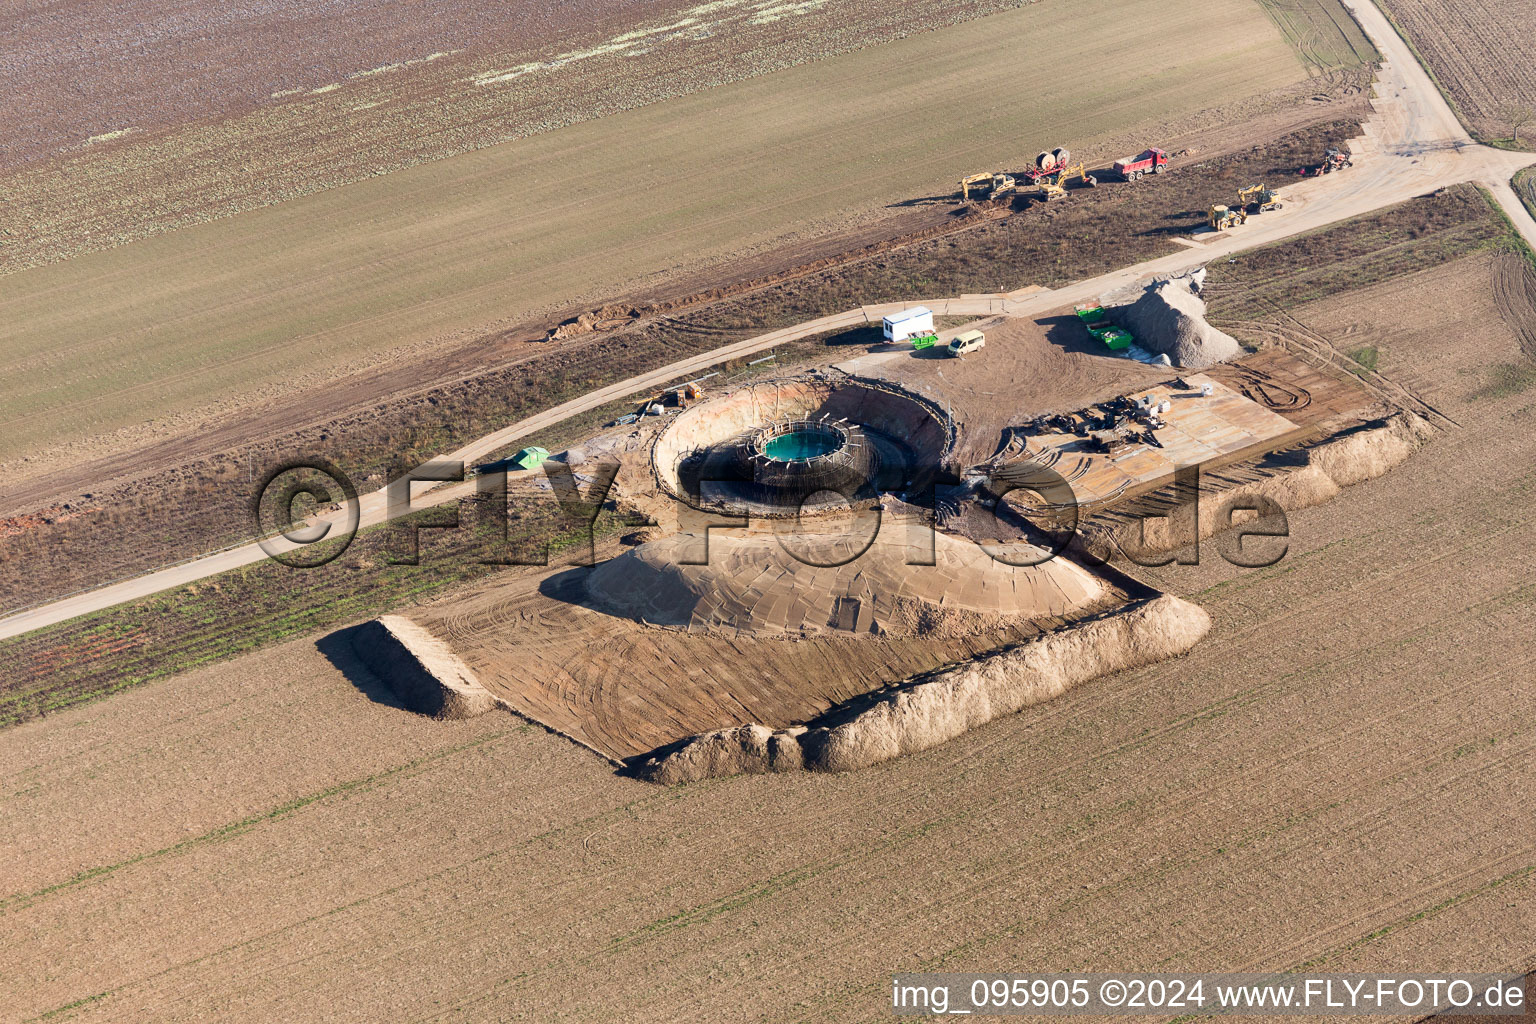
[[1197, 429]]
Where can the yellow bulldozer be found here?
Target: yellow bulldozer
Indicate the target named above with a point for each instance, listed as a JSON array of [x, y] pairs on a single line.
[[990, 183], [1258, 199], [1222, 217]]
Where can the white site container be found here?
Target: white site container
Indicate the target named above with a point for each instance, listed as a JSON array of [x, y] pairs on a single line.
[[901, 326]]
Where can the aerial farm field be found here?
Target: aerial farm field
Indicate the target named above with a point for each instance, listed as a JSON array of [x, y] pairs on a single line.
[[834, 576], [1482, 55], [247, 308], [185, 492], [1163, 817], [1325, 35]]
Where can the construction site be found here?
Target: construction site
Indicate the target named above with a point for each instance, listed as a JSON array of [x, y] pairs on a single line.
[[893, 512], [794, 494]]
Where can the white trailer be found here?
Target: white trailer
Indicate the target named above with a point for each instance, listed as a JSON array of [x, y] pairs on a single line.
[[901, 326]]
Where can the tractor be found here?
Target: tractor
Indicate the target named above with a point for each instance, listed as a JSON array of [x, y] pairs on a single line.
[[1334, 159], [1222, 217]]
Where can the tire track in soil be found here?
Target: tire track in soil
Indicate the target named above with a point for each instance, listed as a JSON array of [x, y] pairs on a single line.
[[1514, 292], [1003, 739], [1182, 810], [1463, 686]]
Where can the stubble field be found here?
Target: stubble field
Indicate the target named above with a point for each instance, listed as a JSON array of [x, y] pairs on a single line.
[[1330, 779], [170, 328], [1482, 55]]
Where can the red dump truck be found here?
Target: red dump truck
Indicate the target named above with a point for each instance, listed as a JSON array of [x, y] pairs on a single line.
[[1151, 161]]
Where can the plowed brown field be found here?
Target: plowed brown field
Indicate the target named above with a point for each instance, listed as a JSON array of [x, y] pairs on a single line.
[[1339, 775], [1482, 55]]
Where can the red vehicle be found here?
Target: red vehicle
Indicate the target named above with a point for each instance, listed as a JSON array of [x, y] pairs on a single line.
[[1334, 160], [1151, 161]]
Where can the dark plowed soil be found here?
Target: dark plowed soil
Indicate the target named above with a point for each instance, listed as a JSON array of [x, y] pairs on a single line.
[[1514, 290]]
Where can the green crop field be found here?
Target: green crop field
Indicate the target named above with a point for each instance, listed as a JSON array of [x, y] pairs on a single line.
[[1323, 33]]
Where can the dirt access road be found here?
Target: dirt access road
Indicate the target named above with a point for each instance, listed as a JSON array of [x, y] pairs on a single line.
[[1413, 145]]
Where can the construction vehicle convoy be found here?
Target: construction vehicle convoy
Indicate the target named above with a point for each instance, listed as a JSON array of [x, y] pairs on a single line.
[[1052, 171], [1150, 161]]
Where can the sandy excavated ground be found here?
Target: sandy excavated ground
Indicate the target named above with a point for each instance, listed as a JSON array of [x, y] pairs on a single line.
[[1029, 368], [1338, 775], [564, 649]]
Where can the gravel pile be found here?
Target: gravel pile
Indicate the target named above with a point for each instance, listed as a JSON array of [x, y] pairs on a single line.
[[1169, 317]]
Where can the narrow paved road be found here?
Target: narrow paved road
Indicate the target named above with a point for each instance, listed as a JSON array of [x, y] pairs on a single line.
[[1412, 146]]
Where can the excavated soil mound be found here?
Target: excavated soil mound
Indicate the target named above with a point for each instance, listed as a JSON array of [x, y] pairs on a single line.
[[932, 709], [760, 583], [1365, 453], [420, 669], [1169, 317]]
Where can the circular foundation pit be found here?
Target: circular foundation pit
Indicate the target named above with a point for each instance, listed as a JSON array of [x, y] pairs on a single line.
[[799, 443], [785, 447]]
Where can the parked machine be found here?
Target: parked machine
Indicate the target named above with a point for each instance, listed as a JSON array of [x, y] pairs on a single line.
[[966, 342], [1055, 187], [1053, 170], [1047, 165], [1150, 161], [1334, 159], [988, 183], [1258, 199], [1222, 217]]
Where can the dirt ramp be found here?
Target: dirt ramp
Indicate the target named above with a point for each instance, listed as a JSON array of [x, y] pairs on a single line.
[[931, 709], [1365, 453], [1169, 317], [420, 669]]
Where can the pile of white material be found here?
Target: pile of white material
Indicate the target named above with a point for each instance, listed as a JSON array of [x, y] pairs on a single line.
[[1169, 317]]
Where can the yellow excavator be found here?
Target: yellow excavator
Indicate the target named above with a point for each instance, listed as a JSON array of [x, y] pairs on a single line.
[[1258, 199], [1055, 185], [1222, 217], [989, 182]]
